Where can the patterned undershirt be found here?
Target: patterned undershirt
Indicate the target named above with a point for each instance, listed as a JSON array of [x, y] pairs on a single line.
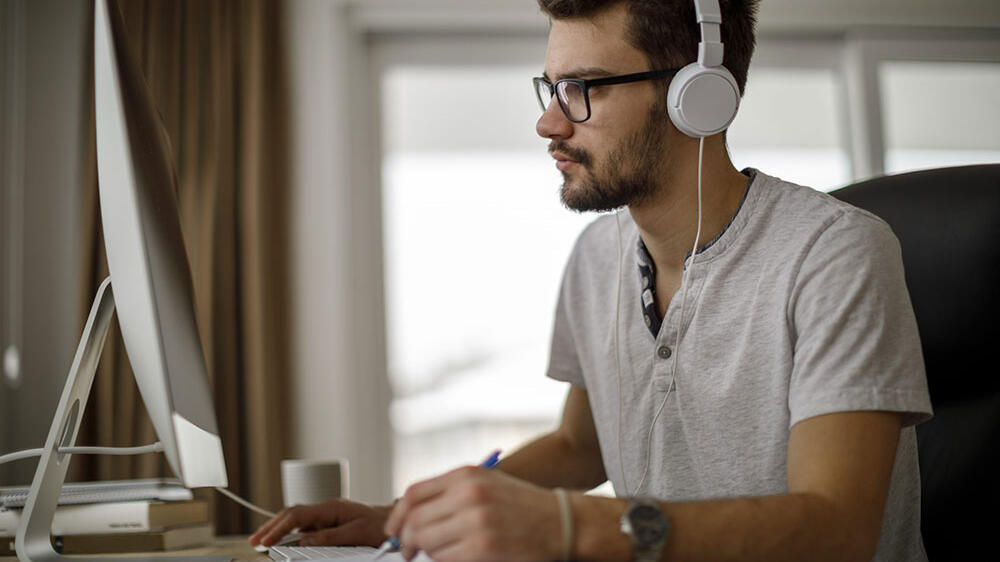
[[647, 271]]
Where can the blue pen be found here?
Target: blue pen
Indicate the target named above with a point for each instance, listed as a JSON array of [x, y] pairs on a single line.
[[392, 543]]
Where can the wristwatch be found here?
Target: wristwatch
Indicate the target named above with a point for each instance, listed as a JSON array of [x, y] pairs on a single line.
[[647, 526]]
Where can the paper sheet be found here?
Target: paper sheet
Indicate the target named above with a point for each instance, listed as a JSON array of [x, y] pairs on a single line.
[[390, 557]]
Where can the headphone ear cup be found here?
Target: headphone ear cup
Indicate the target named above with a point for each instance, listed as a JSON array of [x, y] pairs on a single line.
[[702, 101]]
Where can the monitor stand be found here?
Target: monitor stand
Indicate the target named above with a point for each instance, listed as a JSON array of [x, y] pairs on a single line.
[[34, 538]]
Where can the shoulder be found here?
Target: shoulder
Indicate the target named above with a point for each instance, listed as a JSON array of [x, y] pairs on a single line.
[[812, 220]]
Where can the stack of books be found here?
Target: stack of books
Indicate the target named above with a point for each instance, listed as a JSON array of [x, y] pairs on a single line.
[[119, 516]]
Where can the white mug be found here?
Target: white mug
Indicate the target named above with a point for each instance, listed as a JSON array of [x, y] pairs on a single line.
[[306, 482]]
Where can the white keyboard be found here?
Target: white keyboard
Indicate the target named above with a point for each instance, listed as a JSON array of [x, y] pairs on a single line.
[[345, 553], [319, 552]]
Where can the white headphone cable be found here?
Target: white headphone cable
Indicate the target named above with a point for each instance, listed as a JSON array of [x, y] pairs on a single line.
[[618, 363], [677, 342]]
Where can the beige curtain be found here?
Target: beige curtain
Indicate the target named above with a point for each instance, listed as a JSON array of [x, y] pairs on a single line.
[[214, 70]]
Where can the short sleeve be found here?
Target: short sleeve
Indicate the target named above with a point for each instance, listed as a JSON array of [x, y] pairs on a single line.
[[856, 341], [564, 359]]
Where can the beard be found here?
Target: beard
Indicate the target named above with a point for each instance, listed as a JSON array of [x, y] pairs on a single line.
[[628, 174]]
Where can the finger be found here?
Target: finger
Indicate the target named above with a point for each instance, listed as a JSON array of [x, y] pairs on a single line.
[[349, 534], [297, 517], [431, 512], [474, 539], [263, 529], [273, 521], [439, 533], [408, 552], [421, 492], [275, 530], [281, 526], [458, 550]]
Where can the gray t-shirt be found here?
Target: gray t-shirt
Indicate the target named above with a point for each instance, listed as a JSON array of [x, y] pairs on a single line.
[[798, 309]]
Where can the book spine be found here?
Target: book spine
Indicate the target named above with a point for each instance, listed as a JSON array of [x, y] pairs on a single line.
[[101, 518], [87, 519]]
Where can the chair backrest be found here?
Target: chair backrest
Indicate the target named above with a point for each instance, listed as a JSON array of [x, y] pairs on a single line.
[[948, 224]]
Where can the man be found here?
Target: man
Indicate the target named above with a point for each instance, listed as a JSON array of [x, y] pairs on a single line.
[[768, 417]]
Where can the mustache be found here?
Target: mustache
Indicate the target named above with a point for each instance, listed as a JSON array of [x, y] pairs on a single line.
[[577, 154]]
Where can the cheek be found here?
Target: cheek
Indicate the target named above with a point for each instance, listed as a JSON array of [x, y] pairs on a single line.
[[614, 131], [599, 139]]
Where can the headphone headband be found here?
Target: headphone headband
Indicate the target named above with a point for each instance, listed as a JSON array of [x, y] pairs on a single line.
[[710, 50]]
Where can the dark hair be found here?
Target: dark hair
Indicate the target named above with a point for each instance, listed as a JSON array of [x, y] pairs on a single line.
[[667, 30]]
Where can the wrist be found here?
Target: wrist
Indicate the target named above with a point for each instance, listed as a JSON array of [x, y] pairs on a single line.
[[564, 551], [597, 534], [647, 527]]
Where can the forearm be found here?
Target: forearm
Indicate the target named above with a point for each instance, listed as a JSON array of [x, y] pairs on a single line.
[[774, 528], [553, 461]]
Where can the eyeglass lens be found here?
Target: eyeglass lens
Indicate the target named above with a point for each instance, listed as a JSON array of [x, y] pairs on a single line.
[[571, 98]]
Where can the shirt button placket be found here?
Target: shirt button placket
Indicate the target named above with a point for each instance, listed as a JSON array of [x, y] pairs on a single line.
[[662, 382]]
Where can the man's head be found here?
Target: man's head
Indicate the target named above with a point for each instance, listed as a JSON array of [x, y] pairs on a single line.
[[615, 157]]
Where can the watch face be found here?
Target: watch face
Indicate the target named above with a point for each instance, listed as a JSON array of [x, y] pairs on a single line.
[[649, 526], [645, 513]]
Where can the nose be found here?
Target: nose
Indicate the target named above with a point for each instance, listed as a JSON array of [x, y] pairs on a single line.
[[553, 123]]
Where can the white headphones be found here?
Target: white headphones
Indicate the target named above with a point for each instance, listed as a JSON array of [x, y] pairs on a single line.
[[702, 101], [703, 96]]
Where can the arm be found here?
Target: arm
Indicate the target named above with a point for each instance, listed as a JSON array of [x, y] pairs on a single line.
[[569, 457], [839, 467]]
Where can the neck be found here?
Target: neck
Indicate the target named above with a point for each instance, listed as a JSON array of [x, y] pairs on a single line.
[[668, 221]]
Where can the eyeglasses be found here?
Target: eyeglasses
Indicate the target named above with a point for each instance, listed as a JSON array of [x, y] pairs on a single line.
[[574, 93]]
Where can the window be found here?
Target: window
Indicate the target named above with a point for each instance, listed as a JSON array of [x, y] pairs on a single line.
[[476, 240], [476, 237], [788, 126], [939, 114]]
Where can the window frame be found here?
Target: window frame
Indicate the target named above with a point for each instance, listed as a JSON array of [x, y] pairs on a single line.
[[866, 49]]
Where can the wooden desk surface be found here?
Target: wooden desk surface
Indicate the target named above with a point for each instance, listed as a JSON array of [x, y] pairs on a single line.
[[237, 547]]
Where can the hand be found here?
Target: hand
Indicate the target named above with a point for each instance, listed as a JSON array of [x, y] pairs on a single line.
[[477, 514], [333, 523]]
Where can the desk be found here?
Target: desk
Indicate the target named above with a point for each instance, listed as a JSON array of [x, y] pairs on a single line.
[[237, 547]]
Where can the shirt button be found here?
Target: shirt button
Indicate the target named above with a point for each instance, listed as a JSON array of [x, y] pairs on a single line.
[[664, 352]]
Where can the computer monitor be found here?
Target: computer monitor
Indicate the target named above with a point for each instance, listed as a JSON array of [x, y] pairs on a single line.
[[147, 260], [149, 286]]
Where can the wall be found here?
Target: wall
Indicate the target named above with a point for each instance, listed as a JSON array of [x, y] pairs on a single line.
[[340, 390]]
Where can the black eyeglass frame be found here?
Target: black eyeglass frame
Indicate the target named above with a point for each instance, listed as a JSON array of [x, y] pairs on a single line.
[[586, 84]]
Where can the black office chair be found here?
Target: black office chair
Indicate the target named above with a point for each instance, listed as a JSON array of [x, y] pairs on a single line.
[[948, 224]]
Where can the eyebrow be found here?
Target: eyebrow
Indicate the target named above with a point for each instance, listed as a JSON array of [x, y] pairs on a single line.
[[591, 72]]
